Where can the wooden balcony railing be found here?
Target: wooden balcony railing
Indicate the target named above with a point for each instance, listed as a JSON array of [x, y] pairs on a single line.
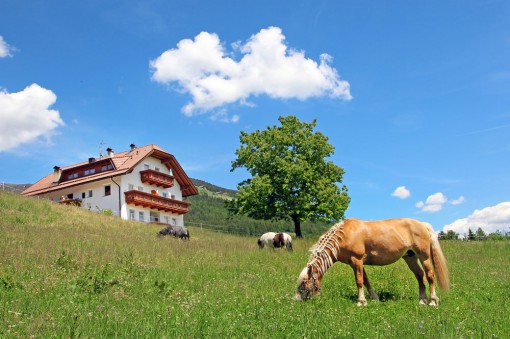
[[156, 202], [71, 202], [156, 178]]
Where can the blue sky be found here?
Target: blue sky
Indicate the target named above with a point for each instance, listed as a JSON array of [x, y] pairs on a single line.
[[415, 96]]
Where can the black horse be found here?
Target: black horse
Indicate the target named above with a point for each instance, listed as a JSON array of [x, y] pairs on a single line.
[[177, 231]]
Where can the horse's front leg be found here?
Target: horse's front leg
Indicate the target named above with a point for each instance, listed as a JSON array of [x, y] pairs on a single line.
[[373, 295], [357, 266]]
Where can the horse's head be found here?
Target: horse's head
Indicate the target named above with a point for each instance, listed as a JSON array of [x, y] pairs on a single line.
[[260, 243], [308, 284]]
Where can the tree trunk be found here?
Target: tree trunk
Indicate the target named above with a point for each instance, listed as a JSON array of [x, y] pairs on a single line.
[[297, 226]]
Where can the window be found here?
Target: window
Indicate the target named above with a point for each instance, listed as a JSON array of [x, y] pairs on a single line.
[[106, 167], [70, 196], [90, 171], [90, 193], [172, 197], [140, 188], [107, 190], [140, 216], [156, 169], [103, 168], [174, 222], [131, 215], [164, 194], [131, 187], [83, 195], [146, 166], [154, 217]]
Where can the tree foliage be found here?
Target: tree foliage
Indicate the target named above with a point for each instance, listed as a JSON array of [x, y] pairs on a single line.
[[292, 177]]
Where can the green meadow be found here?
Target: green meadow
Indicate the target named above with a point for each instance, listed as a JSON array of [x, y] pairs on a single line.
[[69, 273]]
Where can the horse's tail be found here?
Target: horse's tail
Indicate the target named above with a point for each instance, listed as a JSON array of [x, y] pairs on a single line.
[[438, 260]]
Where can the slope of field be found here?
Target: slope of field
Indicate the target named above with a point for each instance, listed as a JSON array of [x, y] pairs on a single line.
[[66, 272]]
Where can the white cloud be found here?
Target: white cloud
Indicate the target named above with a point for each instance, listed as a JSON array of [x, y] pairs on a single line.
[[434, 203], [202, 68], [490, 219], [25, 116], [5, 49], [401, 192], [458, 201], [222, 116]]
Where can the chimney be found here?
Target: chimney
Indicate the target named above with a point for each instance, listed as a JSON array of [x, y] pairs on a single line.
[[57, 172], [91, 160], [133, 146], [110, 151]]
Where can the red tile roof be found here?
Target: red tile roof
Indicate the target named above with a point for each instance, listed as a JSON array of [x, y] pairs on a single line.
[[123, 163]]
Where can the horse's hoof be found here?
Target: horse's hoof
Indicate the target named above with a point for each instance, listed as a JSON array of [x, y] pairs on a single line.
[[362, 303], [433, 303], [423, 301]]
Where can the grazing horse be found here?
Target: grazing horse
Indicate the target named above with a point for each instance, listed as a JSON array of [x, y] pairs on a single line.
[[166, 231], [356, 243], [275, 240], [177, 231]]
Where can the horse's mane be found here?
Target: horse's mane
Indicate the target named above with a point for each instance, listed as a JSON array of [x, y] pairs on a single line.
[[319, 257]]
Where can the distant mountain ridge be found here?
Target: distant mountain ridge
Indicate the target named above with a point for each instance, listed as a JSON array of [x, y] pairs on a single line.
[[213, 188], [16, 188]]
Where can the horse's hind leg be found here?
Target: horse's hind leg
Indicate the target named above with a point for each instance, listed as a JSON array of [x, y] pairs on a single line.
[[429, 271], [373, 295], [412, 262]]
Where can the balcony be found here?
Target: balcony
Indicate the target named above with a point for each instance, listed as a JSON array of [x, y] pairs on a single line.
[[156, 202], [156, 178], [70, 202]]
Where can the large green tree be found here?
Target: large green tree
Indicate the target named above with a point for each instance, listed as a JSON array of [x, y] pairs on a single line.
[[292, 177]]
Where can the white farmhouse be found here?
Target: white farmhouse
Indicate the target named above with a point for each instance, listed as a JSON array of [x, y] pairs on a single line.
[[145, 184]]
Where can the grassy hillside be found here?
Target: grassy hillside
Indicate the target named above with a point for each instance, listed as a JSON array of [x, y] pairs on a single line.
[[66, 272]]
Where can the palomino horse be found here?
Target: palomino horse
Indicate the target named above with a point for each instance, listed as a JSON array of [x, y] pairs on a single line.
[[275, 240], [357, 243]]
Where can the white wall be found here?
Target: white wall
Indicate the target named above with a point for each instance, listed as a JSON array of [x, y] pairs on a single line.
[[98, 201]]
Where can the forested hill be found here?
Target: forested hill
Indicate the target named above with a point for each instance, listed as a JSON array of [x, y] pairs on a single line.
[[208, 210]]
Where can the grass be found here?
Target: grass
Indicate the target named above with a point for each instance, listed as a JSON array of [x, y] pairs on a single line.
[[66, 272]]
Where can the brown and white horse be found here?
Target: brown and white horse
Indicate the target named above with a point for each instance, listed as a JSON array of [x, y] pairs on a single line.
[[356, 243], [275, 240]]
